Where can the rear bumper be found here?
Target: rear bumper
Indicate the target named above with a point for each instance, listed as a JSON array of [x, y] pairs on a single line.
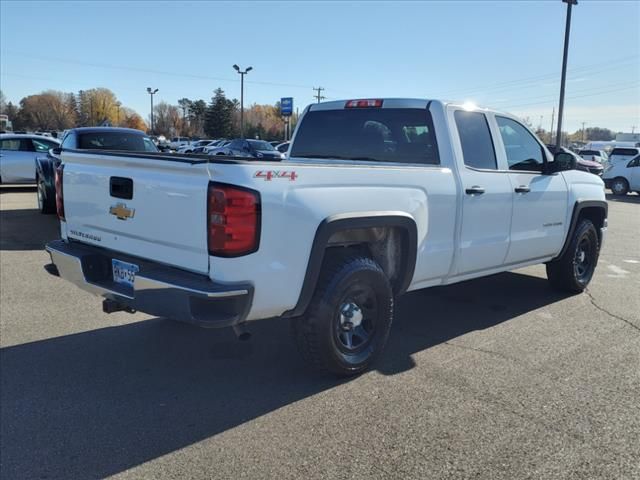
[[157, 290]]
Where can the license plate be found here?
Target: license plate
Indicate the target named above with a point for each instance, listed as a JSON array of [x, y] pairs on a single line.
[[124, 272]]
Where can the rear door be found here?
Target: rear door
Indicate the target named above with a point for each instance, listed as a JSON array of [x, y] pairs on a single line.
[[17, 158], [539, 200], [140, 205], [486, 196]]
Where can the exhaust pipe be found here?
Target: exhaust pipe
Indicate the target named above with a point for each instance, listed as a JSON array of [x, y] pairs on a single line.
[[241, 332]]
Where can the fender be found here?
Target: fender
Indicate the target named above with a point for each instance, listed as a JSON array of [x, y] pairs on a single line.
[[342, 222], [578, 207]]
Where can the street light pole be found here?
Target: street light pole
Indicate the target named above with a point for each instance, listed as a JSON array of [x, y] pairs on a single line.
[[152, 92], [567, 29], [242, 74]]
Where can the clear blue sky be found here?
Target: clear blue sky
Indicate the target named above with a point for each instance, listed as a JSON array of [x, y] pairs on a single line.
[[504, 54]]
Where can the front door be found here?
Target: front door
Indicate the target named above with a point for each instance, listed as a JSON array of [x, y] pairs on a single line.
[[539, 200]]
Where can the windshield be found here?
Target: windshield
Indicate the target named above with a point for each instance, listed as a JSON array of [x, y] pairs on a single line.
[[260, 145], [116, 141], [402, 135]]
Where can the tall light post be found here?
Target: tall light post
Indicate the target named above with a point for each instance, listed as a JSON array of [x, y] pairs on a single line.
[[152, 92], [242, 74], [567, 29]]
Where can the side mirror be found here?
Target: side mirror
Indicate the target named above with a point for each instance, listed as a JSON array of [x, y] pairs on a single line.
[[562, 161], [55, 152]]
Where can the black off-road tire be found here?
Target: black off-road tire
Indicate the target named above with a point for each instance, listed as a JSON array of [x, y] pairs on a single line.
[[321, 338], [46, 205], [573, 271]]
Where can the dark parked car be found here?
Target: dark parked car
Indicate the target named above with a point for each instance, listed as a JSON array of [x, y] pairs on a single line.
[[581, 164], [250, 148], [85, 138]]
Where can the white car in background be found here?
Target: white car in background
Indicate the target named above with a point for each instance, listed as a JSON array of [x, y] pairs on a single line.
[[623, 177], [18, 153], [623, 154], [190, 147], [599, 156], [216, 147], [179, 142]]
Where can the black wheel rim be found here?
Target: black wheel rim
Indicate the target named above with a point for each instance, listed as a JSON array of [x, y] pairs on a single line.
[[355, 320], [583, 259]]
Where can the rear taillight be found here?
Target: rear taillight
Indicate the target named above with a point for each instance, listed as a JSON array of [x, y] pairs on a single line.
[[369, 103], [59, 194], [233, 227]]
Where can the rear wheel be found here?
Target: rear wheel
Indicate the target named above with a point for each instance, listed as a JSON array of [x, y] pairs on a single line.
[[347, 323], [46, 204], [573, 271], [619, 186]]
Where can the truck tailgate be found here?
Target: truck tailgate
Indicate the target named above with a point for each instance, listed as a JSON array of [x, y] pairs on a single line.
[[147, 207]]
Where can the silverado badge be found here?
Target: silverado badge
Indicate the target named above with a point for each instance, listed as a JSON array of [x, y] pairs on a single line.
[[121, 211]]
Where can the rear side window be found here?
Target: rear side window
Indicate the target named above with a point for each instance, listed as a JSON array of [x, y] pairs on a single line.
[[624, 151], [18, 144], [475, 138], [399, 135]]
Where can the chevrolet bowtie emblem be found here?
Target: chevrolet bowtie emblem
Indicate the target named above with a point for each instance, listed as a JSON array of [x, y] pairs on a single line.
[[122, 212]]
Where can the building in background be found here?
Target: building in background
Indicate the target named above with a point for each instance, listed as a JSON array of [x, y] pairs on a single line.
[[628, 137], [5, 124]]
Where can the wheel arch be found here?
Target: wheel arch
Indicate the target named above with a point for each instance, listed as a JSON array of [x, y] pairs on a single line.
[[594, 210], [379, 232]]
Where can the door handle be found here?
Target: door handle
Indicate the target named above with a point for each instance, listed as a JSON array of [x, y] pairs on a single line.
[[475, 190], [523, 189]]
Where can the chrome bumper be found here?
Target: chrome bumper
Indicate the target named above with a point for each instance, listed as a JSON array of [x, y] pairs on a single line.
[[157, 289]]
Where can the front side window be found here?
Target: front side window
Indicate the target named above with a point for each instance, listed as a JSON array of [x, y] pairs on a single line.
[[523, 151], [399, 135], [475, 139], [634, 163], [43, 145]]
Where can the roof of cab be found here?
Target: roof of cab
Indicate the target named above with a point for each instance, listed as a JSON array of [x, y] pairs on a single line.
[[109, 129]]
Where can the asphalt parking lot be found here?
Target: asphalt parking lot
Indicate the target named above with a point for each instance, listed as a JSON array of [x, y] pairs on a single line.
[[495, 378]]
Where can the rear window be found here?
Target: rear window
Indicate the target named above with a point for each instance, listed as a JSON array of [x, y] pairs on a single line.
[[400, 135], [589, 152], [260, 145], [116, 141], [624, 151]]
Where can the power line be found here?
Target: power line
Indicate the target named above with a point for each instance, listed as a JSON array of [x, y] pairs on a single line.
[[526, 80], [572, 97], [587, 90]]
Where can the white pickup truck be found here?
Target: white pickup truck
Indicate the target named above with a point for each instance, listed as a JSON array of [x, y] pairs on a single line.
[[376, 198]]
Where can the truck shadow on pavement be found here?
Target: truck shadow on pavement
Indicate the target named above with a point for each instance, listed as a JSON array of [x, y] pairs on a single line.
[[94, 404], [27, 229]]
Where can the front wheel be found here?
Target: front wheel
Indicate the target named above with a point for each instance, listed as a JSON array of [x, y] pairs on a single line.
[[347, 323], [573, 271], [619, 186]]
